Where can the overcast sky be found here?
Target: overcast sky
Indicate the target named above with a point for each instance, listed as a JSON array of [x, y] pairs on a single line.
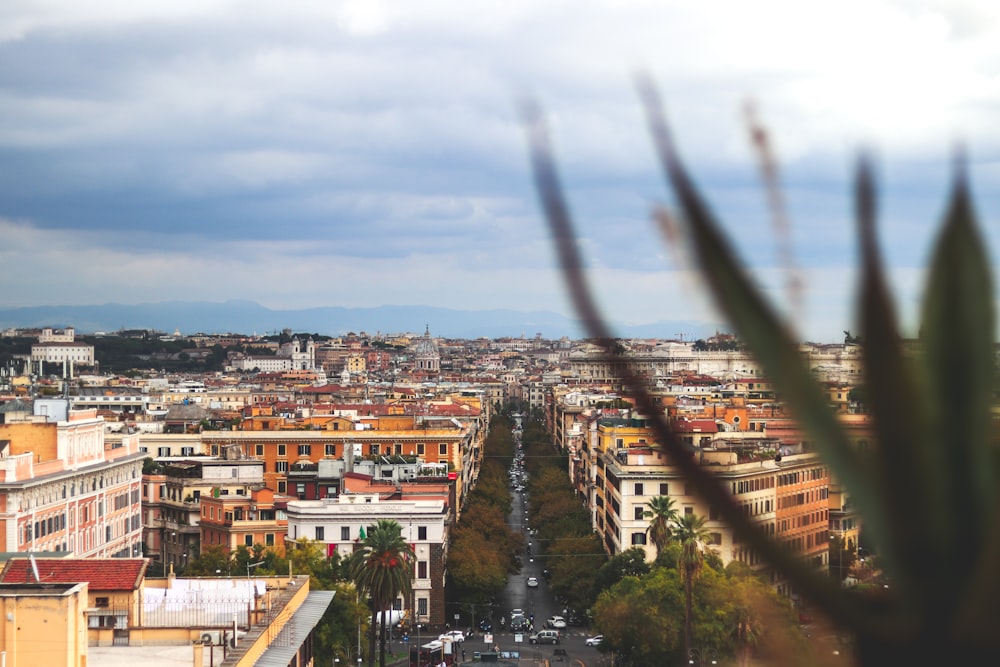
[[370, 152]]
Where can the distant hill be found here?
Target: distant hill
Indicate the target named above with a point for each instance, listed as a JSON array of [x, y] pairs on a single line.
[[192, 317]]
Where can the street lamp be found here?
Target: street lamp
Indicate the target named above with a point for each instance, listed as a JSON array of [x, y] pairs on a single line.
[[252, 565]]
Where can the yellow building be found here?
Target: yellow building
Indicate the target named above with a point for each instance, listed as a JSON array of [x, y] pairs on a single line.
[[43, 624]]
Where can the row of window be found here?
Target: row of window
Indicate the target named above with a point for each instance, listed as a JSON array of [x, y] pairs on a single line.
[[751, 485], [812, 474], [805, 520], [818, 538], [795, 499]]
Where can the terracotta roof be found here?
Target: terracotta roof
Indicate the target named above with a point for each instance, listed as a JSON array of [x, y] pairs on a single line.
[[101, 574], [695, 426]]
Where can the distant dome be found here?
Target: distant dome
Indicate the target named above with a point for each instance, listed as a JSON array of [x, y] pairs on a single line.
[[426, 356]]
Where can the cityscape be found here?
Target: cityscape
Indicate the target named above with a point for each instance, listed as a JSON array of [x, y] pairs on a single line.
[[202, 484], [601, 334]]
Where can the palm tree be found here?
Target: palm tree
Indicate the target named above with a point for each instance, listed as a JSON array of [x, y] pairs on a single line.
[[690, 532], [664, 516], [383, 570]]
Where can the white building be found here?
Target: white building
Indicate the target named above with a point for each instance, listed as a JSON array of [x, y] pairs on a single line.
[[340, 524]]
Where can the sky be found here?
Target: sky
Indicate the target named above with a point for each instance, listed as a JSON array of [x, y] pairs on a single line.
[[364, 153]]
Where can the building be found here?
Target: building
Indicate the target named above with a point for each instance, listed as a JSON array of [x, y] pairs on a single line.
[[113, 585], [231, 521], [341, 523], [172, 492], [63, 488], [44, 624]]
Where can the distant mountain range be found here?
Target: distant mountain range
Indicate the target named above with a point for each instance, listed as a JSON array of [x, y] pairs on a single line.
[[190, 317]]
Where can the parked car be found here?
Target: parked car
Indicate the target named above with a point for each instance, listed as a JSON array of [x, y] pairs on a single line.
[[595, 640], [456, 636], [532, 582], [557, 622]]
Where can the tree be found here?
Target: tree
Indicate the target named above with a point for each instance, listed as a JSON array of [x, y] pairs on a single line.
[[629, 563], [842, 557], [382, 569], [640, 618], [662, 515], [692, 535], [213, 560]]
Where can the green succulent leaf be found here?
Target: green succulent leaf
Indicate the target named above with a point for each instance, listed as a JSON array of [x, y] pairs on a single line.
[[957, 334], [904, 472], [772, 344]]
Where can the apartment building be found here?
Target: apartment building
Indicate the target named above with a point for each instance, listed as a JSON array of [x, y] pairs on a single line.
[[63, 488], [341, 523], [172, 493], [231, 521]]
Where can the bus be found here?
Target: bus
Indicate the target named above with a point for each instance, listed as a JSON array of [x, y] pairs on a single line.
[[432, 654]]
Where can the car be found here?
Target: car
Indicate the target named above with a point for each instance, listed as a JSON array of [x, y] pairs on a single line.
[[545, 637], [595, 640], [557, 622], [456, 636], [532, 582]]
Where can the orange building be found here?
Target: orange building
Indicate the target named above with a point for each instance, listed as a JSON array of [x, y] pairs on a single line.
[[230, 521]]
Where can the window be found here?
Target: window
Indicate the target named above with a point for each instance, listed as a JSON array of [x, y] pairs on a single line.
[[422, 569], [664, 489], [269, 540], [320, 533], [163, 451], [345, 533], [687, 490], [713, 513], [281, 450], [281, 466], [282, 486], [639, 489], [305, 450], [688, 511], [421, 532], [373, 450], [638, 539], [715, 538], [260, 450], [331, 450], [421, 606], [443, 449], [420, 449], [248, 540], [639, 511], [187, 451]]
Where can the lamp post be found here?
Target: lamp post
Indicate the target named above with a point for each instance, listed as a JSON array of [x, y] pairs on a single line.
[[252, 565]]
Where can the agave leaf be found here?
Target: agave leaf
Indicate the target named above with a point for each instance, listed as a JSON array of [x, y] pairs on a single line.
[[905, 472], [758, 325], [957, 336], [844, 609]]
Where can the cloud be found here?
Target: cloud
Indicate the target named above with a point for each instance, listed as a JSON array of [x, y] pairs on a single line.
[[257, 149]]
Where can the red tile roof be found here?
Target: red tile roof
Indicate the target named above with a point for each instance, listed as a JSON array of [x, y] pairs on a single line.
[[102, 574]]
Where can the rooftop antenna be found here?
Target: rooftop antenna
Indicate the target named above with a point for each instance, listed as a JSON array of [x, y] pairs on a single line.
[[34, 568]]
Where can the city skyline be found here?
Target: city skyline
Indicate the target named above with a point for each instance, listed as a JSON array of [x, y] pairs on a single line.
[[363, 154]]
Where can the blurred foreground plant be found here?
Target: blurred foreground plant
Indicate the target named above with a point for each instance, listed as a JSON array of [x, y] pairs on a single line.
[[928, 490]]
